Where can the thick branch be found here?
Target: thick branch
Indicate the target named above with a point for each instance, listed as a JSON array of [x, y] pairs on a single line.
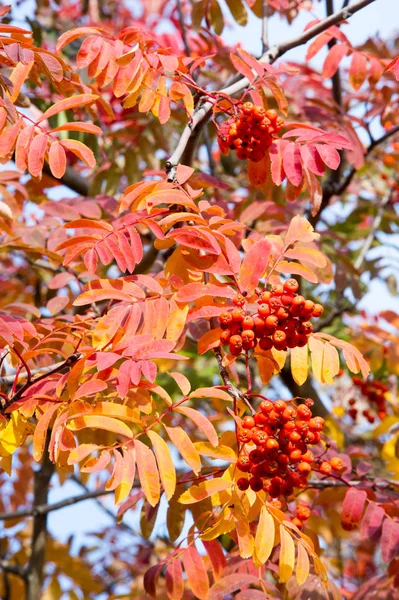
[[70, 179], [35, 570], [44, 509], [201, 112]]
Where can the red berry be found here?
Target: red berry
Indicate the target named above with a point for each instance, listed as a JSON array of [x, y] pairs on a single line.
[[264, 310], [239, 300], [225, 319], [266, 406], [242, 484], [256, 484], [225, 337], [248, 422], [244, 464], [265, 343]]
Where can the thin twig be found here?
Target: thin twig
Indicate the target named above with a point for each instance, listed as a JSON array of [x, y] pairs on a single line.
[[44, 509], [9, 567], [183, 28], [204, 107], [265, 22]]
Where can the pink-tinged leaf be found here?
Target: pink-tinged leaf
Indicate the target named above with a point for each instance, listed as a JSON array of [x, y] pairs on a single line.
[[193, 291], [293, 268], [196, 238], [78, 454], [329, 155], [84, 126], [94, 386], [242, 67], [81, 151], [210, 340], [61, 280], [358, 70], [150, 580], [315, 191], [211, 392], [196, 572], [293, 163], [318, 43], [148, 473], [39, 436], [202, 422], [254, 265], [36, 154], [112, 289], [183, 173], [352, 508], [174, 580], [333, 59], [257, 66], [389, 540], [128, 472], [276, 161], [89, 51], [95, 464], [231, 583], [67, 104], [100, 422], [394, 67], [91, 260], [182, 381], [166, 467], [57, 159], [170, 63], [57, 304], [185, 446], [300, 230], [8, 137], [117, 472], [216, 556], [307, 255], [311, 159], [372, 521]]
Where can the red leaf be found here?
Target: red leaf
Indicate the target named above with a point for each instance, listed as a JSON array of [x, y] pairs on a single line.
[[329, 155], [389, 540], [258, 171], [57, 159], [197, 575], [231, 583], [254, 265], [276, 161], [8, 138], [352, 508], [150, 579], [311, 159], [193, 291], [372, 521], [174, 580], [37, 151], [358, 70], [293, 163], [217, 557], [334, 57]]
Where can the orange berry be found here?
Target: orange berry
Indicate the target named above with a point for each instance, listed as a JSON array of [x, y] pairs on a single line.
[[239, 300], [291, 286], [337, 464], [325, 468], [297, 522], [248, 422], [225, 337]]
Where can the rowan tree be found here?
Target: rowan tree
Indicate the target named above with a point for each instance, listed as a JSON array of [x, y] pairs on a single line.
[[186, 234]]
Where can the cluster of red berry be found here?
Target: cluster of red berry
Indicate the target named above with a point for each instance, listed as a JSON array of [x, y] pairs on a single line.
[[274, 448], [282, 320], [374, 392], [250, 132]]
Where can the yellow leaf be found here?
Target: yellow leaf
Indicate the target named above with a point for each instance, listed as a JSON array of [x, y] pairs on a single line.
[[128, 472], [316, 350], [287, 555], [302, 567], [279, 356], [185, 446], [166, 467], [14, 434], [220, 452], [222, 526], [176, 320], [204, 490], [330, 363], [148, 472], [264, 538], [300, 364], [99, 422]]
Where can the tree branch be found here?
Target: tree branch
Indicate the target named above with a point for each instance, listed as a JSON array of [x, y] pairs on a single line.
[[70, 179], [183, 28], [9, 567], [35, 569], [204, 107], [265, 22], [44, 509], [306, 390]]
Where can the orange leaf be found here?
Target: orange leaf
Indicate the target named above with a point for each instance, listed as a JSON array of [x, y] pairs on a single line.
[[148, 472], [39, 437], [197, 575], [202, 423], [36, 154], [254, 265], [330, 363], [128, 472], [174, 580], [84, 126], [166, 467], [302, 567], [300, 230], [185, 446], [57, 159], [210, 339], [67, 104], [81, 150], [73, 34], [100, 422]]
